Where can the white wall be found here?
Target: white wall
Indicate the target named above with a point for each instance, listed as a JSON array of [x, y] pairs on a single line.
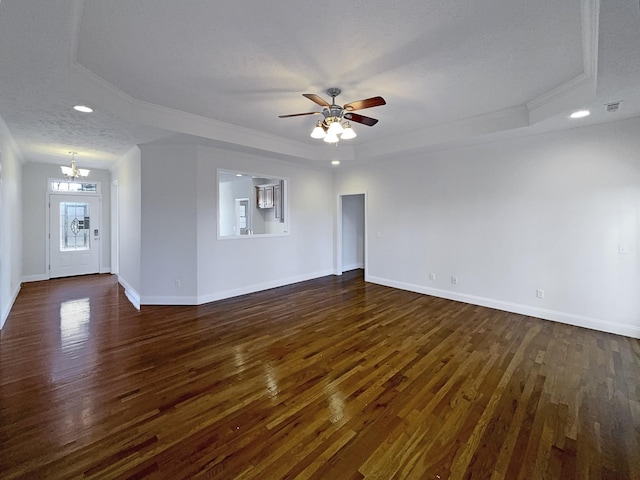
[[544, 212], [127, 172], [179, 199], [229, 267], [352, 232], [10, 221], [169, 231], [34, 223]]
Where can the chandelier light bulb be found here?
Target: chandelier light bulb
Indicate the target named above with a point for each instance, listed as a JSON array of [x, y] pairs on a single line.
[[73, 172]]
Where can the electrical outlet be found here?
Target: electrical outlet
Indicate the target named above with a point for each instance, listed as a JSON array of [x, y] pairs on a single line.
[[432, 276], [540, 293], [178, 283], [454, 279]]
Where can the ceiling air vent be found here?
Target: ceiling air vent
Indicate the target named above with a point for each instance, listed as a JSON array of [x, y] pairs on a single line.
[[612, 107]]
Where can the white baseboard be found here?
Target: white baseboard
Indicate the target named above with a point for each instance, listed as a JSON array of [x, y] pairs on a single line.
[[34, 278], [130, 292], [553, 315], [169, 300], [353, 266], [9, 306], [137, 300], [42, 276], [213, 297]]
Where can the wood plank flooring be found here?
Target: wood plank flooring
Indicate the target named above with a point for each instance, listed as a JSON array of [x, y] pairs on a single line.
[[328, 379]]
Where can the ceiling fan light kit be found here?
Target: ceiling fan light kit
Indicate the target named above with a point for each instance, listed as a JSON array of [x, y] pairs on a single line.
[[348, 133], [318, 131], [335, 125]]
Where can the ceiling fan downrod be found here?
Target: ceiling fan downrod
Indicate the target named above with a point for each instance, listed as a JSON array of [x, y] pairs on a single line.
[[333, 111]]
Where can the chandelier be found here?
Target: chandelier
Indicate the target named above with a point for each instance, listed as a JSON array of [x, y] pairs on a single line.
[[73, 172]]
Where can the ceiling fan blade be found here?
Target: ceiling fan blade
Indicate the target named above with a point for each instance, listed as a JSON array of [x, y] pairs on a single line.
[[315, 98], [355, 117], [298, 114], [367, 103]]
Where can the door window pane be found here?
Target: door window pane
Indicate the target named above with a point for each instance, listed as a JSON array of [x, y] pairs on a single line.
[[74, 226]]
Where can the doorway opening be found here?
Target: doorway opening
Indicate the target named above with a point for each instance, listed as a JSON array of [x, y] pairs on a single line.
[[352, 233], [115, 228], [243, 217]]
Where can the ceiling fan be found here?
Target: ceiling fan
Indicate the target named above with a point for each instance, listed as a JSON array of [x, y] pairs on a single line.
[[332, 126]]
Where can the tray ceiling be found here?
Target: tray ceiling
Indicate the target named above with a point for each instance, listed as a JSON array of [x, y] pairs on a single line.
[[226, 70]]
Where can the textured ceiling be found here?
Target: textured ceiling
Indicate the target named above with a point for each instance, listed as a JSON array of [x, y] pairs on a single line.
[[448, 70], [36, 96], [244, 62]]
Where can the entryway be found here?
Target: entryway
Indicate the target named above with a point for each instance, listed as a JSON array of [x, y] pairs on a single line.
[[74, 234]]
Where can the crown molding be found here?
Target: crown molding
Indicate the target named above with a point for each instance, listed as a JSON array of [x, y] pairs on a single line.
[[590, 14], [507, 119], [580, 90], [98, 91]]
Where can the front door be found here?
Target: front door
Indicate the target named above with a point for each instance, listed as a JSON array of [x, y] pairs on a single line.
[[74, 234]]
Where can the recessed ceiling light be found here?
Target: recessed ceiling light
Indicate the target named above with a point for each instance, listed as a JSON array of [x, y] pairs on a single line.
[[83, 108], [335, 162], [238, 174], [580, 114]]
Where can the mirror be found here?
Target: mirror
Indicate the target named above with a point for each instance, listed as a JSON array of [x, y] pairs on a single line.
[[251, 204]]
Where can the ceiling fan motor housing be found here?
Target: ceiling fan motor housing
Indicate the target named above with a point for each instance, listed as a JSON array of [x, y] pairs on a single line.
[[334, 111]]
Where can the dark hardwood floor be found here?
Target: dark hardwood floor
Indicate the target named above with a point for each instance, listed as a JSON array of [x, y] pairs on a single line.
[[327, 379]]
